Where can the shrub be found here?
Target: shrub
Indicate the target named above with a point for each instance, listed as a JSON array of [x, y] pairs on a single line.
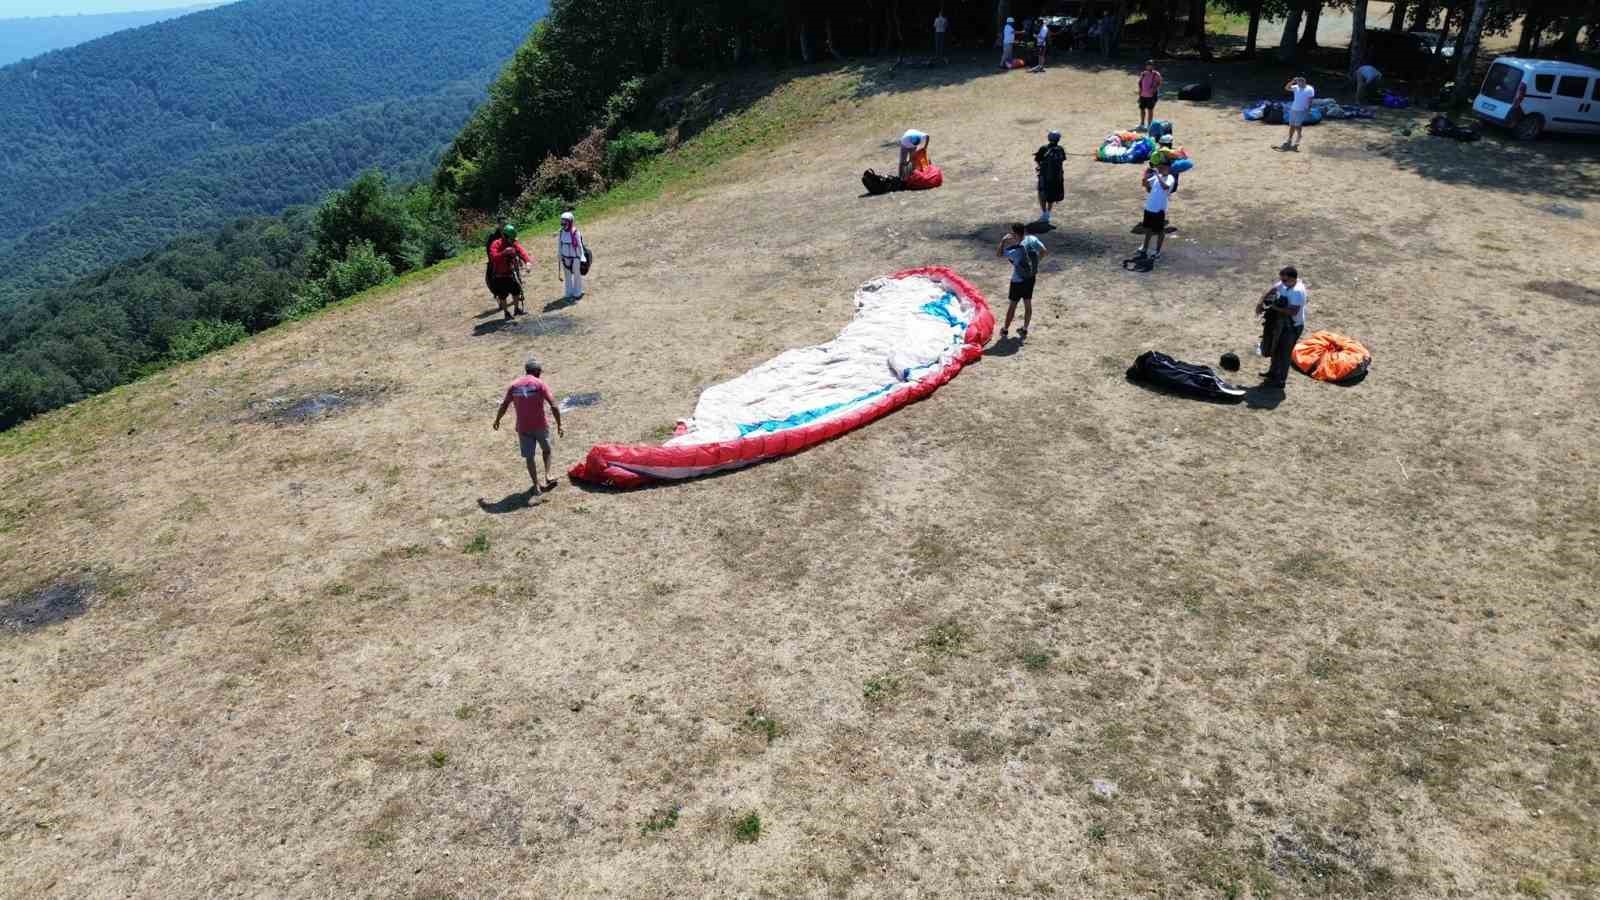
[[630, 148], [362, 267], [573, 176], [202, 336]]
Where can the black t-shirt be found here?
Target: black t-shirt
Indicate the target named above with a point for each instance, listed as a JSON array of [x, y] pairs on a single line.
[[1050, 158]]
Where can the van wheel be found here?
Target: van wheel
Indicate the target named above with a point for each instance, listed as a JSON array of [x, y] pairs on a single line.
[[1529, 127]]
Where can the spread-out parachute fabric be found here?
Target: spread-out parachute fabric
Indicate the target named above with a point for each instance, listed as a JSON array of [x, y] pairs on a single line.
[[926, 178], [912, 332], [1332, 357]]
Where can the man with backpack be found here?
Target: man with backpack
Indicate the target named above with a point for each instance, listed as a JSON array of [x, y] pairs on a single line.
[[1050, 160], [506, 258], [1024, 251], [572, 255]]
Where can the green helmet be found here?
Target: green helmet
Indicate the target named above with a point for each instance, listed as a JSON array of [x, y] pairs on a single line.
[[509, 231]]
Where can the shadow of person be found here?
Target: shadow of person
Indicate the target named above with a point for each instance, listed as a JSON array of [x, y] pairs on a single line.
[[1007, 346], [563, 303], [493, 326], [1263, 396], [491, 311], [510, 503]]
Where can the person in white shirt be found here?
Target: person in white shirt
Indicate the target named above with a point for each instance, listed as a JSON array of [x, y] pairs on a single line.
[[1008, 41], [1299, 108], [940, 26], [913, 152], [569, 249], [1367, 78], [1283, 307], [1158, 186], [1044, 44]]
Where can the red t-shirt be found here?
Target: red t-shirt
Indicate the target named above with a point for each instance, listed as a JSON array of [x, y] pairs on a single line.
[[501, 255], [528, 395]]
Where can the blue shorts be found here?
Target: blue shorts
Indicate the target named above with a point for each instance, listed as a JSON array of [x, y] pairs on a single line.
[[533, 441]]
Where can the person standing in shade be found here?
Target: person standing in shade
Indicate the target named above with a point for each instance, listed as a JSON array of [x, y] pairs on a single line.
[[1008, 42], [1149, 91], [1043, 38], [1283, 306], [1299, 109], [1367, 78], [530, 395], [569, 249], [506, 258], [1024, 252], [941, 25], [1158, 189], [1050, 160]]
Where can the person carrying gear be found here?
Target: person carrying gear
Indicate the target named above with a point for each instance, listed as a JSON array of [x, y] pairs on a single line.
[[570, 250], [1050, 160], [506, 258]]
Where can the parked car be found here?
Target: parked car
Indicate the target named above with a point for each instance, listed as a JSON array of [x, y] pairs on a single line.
[[1532, 96]]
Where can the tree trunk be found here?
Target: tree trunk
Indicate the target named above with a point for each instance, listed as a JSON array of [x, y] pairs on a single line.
[[1120, 19], [1308, 41], [1002, 9], [1423, 17], [1255, 28], [1398, 20], [1465, 59], [1201, 44], [1196, 26], [827, 38], [1289, 43], [808, 54], [1358, 36], [1530, 27], [1567, 46]]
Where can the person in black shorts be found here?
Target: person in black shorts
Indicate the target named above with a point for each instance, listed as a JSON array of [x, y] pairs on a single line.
[[1157, 188], [506, 258], [1149, 90], [1024, 251]]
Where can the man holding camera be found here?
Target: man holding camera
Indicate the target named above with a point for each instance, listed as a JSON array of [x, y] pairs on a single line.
[[1283, 308]]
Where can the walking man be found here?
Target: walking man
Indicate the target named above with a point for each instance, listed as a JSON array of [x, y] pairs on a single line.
[[940, 26], [1284, 306], [1149, 90], [1008, 41], [1024, 251], [1050, 160], [569, 248], [1299, 109], [506, 258], [530, 396], [1158, 185]]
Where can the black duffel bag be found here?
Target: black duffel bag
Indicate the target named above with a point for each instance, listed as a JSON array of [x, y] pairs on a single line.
[[1199, 90], [1165, 373], [881, 184]]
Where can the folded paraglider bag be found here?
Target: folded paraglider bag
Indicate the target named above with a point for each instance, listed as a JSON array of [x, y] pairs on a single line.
[[1199, 90], [1181, 165], [924, 179], [1395, 101], [1165, 373], [1443, 127], [1332, 357], [881, 184], [1158, 128]]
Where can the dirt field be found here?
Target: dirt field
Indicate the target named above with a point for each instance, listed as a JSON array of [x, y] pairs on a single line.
[[1046, 633]]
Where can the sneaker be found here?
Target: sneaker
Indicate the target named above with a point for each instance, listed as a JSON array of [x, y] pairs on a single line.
[[1285, 146], [1141, 253], [1022, 334], [1155, 256], [1005, 333], [1294, 148]]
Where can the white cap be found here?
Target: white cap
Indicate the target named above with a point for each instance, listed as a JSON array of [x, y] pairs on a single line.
[[1010, 21]]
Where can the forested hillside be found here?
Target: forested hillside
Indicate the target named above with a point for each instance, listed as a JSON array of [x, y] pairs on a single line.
[[162, 102], [31, 36]]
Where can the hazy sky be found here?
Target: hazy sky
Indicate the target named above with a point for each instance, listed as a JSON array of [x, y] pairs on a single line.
[[10, 9]]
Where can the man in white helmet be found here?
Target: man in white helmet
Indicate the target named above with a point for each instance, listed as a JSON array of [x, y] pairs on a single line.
[[570, 252]]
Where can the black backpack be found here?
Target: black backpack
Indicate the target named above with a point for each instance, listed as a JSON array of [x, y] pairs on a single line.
[[881, 184], [1030, 262], [1273, 114], [1199, 90]]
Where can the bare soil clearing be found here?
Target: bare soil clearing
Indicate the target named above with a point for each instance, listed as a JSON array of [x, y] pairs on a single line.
[[1043, 634]]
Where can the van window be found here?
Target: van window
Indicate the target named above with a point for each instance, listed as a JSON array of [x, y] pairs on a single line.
[[1596, 94], [1573, 86], [1544, 84], [1502, 80]]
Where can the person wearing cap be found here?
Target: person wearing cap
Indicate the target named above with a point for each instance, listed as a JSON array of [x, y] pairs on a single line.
[[1043, 38], [1023, 251], [913, 152], [1149, 91], [1008, 42], [1157, 188], [569, 249], [1165, 152], [1050, 160], [530, 395], [506, 258]]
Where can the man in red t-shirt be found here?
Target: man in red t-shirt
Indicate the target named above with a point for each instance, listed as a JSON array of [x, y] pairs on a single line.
[[506, 257], [530, 396]]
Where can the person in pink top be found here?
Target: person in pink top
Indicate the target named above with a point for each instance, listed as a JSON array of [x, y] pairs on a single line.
[[1149, 89], [530, 396]]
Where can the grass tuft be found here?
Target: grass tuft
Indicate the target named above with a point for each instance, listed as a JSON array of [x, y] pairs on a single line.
[[747, 828], [661, 820], [478, 544]]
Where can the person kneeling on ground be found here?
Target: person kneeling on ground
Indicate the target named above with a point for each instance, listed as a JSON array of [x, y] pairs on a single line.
[[1283, 307], [1367, 78], [506, 258], [913, 152], [1024, 251], [1158, 185], [530, 396], [1049, 160]]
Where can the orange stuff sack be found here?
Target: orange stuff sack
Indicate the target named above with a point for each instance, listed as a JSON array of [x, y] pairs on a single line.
[[925, 178], [1328, 356]]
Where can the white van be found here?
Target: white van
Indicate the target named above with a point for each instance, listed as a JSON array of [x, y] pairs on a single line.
[[1532, 96]]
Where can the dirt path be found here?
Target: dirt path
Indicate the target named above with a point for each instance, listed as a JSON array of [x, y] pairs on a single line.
[[1044, 633]]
